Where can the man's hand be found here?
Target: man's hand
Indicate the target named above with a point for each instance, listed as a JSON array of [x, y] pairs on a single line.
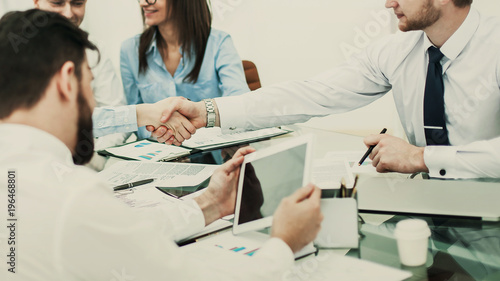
[[176, 130], [298, 218], [195, 112], [219, 199], [393, 154]]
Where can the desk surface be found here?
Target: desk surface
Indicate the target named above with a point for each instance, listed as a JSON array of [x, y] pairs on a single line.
[[459, 249]]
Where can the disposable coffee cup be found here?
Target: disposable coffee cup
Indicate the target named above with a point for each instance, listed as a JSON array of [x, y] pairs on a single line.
[[412, 237]]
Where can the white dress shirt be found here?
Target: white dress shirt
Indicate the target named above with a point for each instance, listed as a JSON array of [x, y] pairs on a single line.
[[70, 226], [471, 75]]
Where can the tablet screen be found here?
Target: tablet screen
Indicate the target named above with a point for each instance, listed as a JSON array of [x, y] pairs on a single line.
[[269, 179]]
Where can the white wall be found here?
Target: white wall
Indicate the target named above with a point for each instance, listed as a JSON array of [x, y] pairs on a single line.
[[287, 39], [296, 39]]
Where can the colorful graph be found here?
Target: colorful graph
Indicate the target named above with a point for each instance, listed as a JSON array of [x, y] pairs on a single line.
[[240, 249], [149, 156], [142, 144]]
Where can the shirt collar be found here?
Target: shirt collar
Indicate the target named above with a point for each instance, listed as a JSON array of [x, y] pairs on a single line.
[[457, 42], [153, 46], [32, 139]]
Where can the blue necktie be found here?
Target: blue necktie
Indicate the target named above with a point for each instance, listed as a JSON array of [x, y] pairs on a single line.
[[434, 118]]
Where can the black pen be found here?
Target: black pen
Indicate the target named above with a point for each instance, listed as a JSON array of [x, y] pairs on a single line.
[[370, 149], [132, 184]]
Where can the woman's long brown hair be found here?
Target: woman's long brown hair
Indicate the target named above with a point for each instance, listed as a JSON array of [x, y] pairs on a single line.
[[193, 21]]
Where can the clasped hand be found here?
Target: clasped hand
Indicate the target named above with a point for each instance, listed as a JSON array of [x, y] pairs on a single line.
[[172, 129]]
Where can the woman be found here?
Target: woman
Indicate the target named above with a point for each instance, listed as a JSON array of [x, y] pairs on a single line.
[[179, 54]]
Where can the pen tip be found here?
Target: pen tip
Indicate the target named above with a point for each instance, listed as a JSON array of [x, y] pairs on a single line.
[[359, 164]]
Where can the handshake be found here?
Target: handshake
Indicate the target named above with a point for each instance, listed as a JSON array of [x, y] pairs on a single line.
[[173, 120]]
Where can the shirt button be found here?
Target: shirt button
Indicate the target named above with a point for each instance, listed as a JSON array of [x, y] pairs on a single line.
[[100, 125], [442, 172], [127, 127]]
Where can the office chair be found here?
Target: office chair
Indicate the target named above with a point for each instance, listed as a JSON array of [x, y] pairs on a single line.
[[251, 75]]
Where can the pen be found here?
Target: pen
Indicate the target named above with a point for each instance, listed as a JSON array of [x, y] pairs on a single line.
[[370, 149], [132, 184], [343, 188]]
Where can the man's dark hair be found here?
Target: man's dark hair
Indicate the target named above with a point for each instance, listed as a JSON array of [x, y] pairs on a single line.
[[462, 3], [34, 45]]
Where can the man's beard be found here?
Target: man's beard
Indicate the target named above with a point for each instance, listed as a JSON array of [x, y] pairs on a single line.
[[425, 18], [84, 149]]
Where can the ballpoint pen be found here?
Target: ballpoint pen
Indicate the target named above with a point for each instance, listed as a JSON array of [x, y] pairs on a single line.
[[132, 184], [343, 189], [370, 149]]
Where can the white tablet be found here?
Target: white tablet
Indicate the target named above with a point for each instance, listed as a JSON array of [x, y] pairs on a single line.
[[266, 177]]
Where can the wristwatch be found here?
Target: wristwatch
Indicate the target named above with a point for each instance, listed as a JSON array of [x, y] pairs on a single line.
[[209, 104]]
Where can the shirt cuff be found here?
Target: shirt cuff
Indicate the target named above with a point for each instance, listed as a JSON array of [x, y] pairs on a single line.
[[277, 250], [441, 161], [109, 120], [231, 114], [187, 220]]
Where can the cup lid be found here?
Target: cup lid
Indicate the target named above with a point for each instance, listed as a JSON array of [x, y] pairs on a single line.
[[412, 228]]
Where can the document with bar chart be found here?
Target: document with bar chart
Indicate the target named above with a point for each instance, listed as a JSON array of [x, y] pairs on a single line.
[[146, 150], [246, 244]]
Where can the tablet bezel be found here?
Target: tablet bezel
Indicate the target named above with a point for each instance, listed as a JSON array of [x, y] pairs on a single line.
[[263, 153]]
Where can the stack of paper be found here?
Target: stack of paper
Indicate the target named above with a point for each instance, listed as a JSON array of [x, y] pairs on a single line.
[[146, 150], [165, 175], [210, 138]]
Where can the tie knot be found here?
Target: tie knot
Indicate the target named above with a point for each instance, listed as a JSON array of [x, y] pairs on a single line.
[[435, 54]]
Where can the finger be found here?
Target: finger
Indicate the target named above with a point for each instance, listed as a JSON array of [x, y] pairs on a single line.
[[166, 137], [244, 151], [315, 195], [184, 133], [178, 138], [172, 107], [189, 126], [302, 193], [170, 141], [160, 132], [374, 152], [232, 165], [150, 128], [372, 139], [376, 160]]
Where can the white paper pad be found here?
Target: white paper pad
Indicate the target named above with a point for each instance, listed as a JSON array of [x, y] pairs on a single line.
[[328, 172], [208, 138]]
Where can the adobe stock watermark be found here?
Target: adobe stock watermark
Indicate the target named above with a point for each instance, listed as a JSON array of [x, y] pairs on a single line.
[[380, 21], [221, 7], [310, 267], [472, 103], [121, 275], [29, 30]]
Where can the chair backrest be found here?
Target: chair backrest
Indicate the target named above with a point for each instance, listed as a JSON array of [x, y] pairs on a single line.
[[251, 75]]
